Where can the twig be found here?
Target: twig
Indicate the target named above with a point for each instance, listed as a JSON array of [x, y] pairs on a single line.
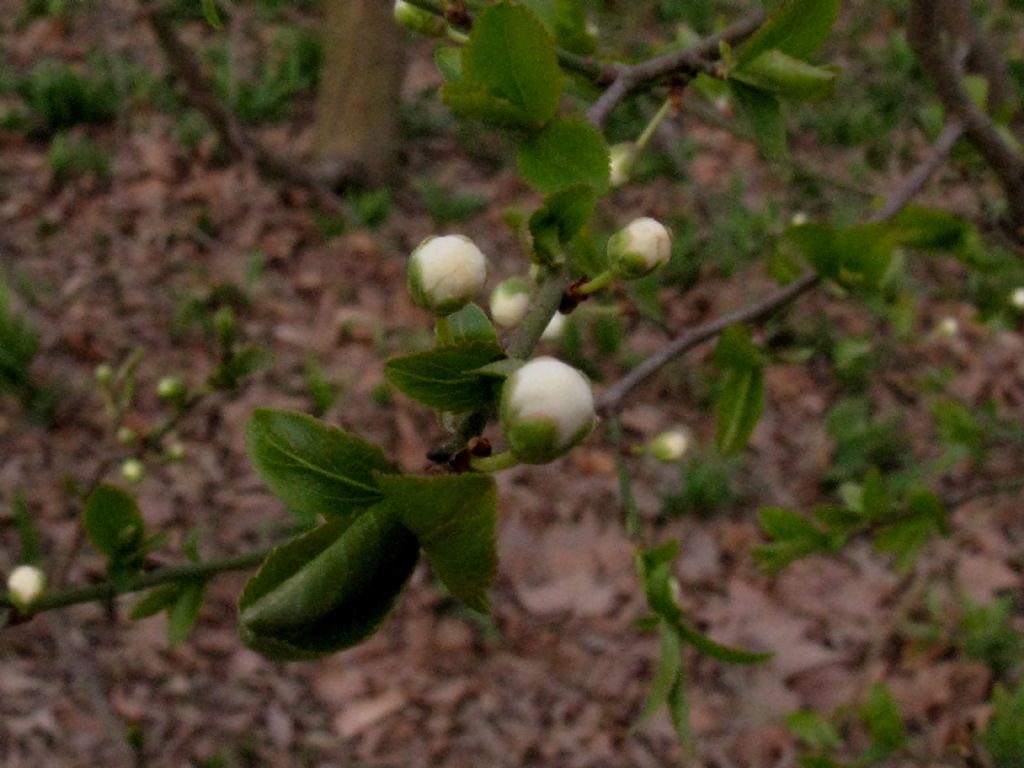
[[611, 399], [108, 591], [690, 62], [237, 140], [926, 34]]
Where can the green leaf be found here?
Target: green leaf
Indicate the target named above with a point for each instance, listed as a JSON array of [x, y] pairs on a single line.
[[454, 518], [798, 29], [739, 407], [113, 523], [927, 229], [785, 524], [449, 62], [155, 600], [717, 650], [763, 114], [211, 14], [881, 716], [857, 257], [566, 152], [445, 378], [904, 539], [775, 72], [736, 349], [327, 589], [470, 324], [314, 468], [1004, 736], [183, 614], [666, 675], [566, 20], [560, 218], [511, 58], [474, 102], [813, 729]]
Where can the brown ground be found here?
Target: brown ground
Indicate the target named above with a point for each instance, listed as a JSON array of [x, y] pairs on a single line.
[[560, 675]]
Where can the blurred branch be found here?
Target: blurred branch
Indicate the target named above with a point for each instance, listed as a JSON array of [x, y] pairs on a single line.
[[237, 140], [610, 401], [932, 37]]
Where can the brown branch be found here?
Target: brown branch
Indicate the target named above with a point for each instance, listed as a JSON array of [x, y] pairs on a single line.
[[239, 142], [610, 401], [688, 63], [933, 42]]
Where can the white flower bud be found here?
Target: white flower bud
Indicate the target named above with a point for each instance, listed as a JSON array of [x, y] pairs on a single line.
[[176, 451], [1017, 298], [103, 373], [546, 408], [639, 249], [510, 300], [555, 328], [446, 273], [948, 327], [799, 219], [418, 20], [622, 158], [132, 470], [670, 446], [25, 585]]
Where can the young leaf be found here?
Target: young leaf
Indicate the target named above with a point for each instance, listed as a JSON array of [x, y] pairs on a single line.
[[449, 62], [454, 518], [562, 215], [566, 152], [881, 716], [113, 523], [741, 397], [775, 72], [716, 650], [763, 114], [155, 600], [445, 378], [510, 58], [328, 589], [798, 29], [315, 469], [470, 324], [813, 729], [1004, 737], [183, 614], [667, 674]]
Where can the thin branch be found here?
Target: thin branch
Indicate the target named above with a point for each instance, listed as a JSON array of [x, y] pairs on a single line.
[[610, 401], [174, 573], [928, 37], [689, 63], [237, 140]]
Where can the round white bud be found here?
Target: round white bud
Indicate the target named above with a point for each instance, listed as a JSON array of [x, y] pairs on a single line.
[[446, 273], [132, 470], [639, 249], [25, 585], [622, 156], [176, 451], [799, 219], [670, 446], [170, 388], [546, 408], [417, 20], [1017, 298], [510, 300], [103, 373], [948, 327], [555, 328]]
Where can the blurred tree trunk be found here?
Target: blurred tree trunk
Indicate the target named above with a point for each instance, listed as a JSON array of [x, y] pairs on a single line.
[[357, 120]]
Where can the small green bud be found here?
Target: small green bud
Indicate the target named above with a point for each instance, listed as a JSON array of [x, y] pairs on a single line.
[[132, 470], [446, 273], [639, 249], [418, 20], [176, 451], [25, 585], [670, 446], [104, 373], [171, 389], [225, 327], [126, 436], [510, 301], [547, 407]]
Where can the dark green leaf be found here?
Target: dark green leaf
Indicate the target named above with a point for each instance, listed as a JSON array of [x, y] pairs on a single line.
[[314, 468], [449, 62], [566, 152], [881, 716], [211, 14], [857, 257], [474, 102], [454, 518], [328, 589], [112, 522], [470, 324], [1004, 736], [763, 114], [813, 729], [184, 613], [716, 650], [560, 218], [798, 29], [155, 600], [444, 378], [927, 229], [775, 72], [667, 673]]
